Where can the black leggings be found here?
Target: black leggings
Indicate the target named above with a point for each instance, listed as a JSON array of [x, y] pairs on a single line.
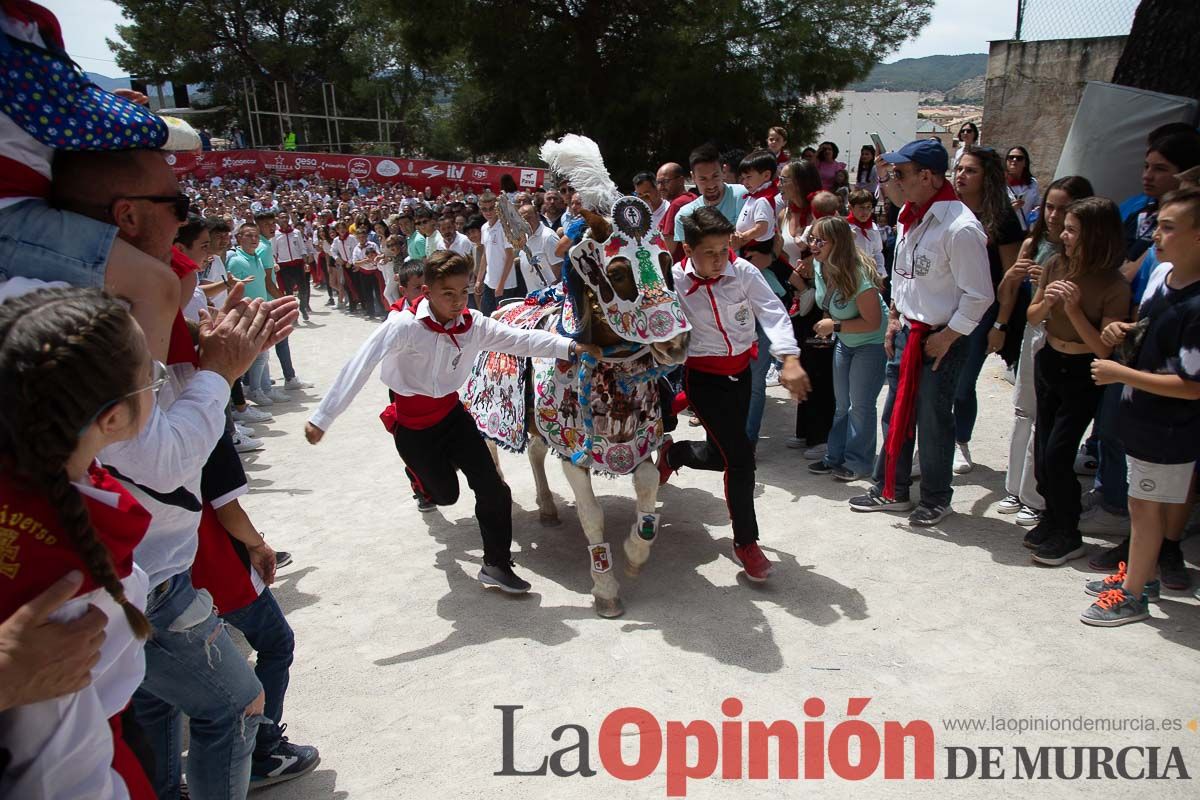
[[434, 456], [814, 416], [1067, 399]]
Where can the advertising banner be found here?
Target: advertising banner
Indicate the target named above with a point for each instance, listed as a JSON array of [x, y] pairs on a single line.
[[381, 169]]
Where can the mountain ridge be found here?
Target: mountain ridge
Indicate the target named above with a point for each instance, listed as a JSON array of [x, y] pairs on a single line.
[[938, 73]]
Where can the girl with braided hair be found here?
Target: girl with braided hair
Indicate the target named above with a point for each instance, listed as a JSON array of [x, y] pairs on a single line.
[[75, 376]]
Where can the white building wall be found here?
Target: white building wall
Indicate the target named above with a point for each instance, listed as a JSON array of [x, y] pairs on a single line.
[[893, 115]]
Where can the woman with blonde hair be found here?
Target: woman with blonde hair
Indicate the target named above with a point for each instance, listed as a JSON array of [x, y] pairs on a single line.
[[848, 291]]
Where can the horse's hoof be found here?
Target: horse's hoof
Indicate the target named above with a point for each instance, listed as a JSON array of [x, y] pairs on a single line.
[[609, 609], [632, 570], [549, 520]]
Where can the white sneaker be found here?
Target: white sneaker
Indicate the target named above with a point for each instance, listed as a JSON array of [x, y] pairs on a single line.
[[1009, 505], [245, 444], [796, 443], [259, 398], [772, 376], [1028, 517], [251, 414], [1098, 520], [241, 430], [278, 395], [1085, 464], [962, 458], [816, 452], [295, 384]]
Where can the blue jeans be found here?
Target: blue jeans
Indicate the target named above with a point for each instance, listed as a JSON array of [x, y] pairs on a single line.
[[489, 301], [37, 241], [283, 352], [263, 624], [258, 377], [935, 424], [1112, 479], [966, 403], [758, 385], [858, 374], [193, 667]]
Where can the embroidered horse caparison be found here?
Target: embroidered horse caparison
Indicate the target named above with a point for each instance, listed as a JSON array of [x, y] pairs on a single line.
[[599, 416]]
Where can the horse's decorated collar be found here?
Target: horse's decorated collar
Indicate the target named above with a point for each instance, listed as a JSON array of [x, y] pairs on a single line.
[[648, 310]]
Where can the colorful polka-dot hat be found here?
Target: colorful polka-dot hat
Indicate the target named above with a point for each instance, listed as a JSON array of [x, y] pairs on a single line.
[[50, 98]]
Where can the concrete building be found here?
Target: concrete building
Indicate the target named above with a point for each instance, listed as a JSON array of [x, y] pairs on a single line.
[[1033, 91], [892, 115], [928, 129]]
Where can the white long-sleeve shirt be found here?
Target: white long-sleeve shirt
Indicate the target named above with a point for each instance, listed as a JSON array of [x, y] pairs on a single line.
[[723, 313], [940, 275], [289, 246], [166, 458], [871, 243], [343, 248], [420, 361]]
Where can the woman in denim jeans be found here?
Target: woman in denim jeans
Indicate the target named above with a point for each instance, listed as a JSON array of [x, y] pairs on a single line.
[[847, 286]]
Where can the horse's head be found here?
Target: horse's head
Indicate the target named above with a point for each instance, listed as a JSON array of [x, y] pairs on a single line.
[[628, 288]]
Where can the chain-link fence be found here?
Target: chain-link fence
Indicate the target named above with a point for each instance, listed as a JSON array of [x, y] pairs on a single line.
[[1073, 19]]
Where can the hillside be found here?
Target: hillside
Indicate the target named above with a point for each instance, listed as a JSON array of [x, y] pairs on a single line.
[[931, 73], [106, 83]]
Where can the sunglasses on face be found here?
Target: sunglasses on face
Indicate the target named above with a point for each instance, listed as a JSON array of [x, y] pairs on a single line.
[[181, 201], [816, 243], [1016, 158]]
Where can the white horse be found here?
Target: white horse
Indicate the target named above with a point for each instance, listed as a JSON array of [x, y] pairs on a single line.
[[587, 435]]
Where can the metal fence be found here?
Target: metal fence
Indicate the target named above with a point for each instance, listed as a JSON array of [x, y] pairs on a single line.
[[1038, 20]]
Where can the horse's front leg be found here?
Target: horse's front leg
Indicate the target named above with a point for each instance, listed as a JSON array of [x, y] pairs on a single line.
[[605, 589], [547, 512], [645, 527], [495, 451]]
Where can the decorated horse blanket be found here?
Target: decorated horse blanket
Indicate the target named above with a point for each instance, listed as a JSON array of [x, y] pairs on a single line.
[[604, 416], [495, 393]]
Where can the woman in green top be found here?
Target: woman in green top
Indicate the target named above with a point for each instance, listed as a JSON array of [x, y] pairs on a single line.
[[847, 288]]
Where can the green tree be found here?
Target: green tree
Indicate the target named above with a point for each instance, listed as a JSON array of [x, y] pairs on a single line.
[[649, 80], [301, 43], [1158, 54]]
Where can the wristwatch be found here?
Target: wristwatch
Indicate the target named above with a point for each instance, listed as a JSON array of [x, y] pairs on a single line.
[[837, 327], [1000, 326]]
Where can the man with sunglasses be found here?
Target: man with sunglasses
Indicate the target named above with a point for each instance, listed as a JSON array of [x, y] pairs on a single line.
[[941, 288], [193, 666]]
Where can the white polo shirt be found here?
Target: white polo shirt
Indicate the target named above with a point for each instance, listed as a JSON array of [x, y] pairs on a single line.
[[542, 244], [495, 246]]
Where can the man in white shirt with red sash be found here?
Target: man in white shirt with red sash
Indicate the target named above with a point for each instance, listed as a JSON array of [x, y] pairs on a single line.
[[941, 288]]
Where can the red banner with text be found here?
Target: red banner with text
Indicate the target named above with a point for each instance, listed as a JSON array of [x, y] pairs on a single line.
[[381, 169]]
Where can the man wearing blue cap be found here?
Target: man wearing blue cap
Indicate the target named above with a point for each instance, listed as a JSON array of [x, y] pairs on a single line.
[[940, 290]]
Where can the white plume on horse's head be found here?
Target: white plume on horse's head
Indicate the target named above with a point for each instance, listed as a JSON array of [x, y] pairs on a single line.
[[578, 158]]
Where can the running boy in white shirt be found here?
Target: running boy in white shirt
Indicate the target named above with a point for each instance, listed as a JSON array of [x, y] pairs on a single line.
[[723, 297], [756, 223], [427, 349]]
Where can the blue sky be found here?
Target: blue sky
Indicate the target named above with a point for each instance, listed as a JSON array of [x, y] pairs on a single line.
[[958, 26]]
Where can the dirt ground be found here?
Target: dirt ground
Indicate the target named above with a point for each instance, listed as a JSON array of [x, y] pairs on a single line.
[[401, 657]]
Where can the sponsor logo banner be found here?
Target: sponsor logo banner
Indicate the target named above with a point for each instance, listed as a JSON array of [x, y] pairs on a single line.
[[417, 173]]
